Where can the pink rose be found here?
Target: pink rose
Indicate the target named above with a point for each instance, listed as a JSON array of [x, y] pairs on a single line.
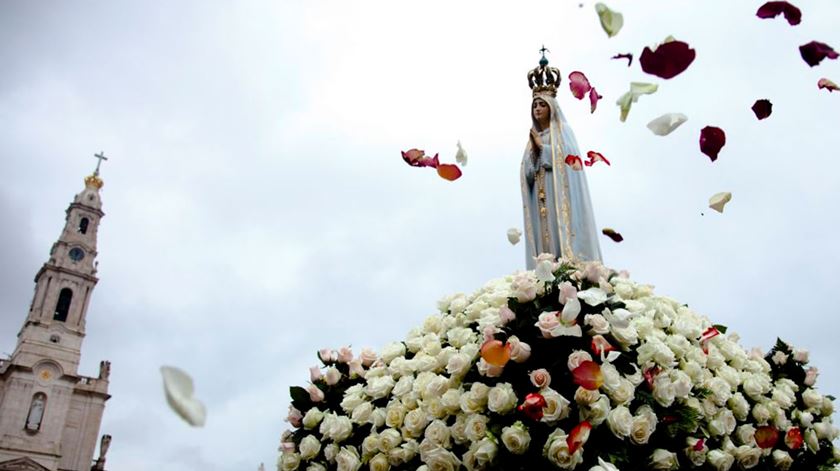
[[315, 393], [811, 376], [295, 417], [356, 368], [332, 376], [506, 314], [547, 322], [367, 356], [576, 358], [519, 350], [540, 378], [327, 355], [345, 355], [567, 291], [491, 371], [524, 287], [315, 373], [287, 447]]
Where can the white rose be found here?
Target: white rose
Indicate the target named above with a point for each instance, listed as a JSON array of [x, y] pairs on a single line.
[[405, 453], [825, 430], [501, 399], [598, 324], [654, 350], [392, 350], [316, 467], [782, 459], [596, 413], [720, 460], [585, 396], [312, 418], [353, 396], [812, 440], [747, 456], [556, 449], [516, 438], [739, 406], [476, 399], [620, 420], [379, 463], [389, 439], [576, 358], [625, 336], [812, 399], [603, 466], [309, 447], [415, 422], [678, 344], [723, 423], [438, 433], [460, 336], [519, 350], [404, 386], [761, 413], [394, 414], [557, 406], [484, 451], [696, 455], [663, 390], [755, 386], [440, 459], [459, 429], [784, 397], [458, 364], [451, 401], [336, 428], [476, 427], [330, 452], [289, 461], [332, 376], [663, 459], [348, 459], [643, 425], [721, 390]]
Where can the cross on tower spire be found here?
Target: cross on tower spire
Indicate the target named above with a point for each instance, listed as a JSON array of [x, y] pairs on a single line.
[[101, 157]]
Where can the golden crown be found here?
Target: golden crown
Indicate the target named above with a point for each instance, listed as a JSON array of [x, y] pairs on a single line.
[[544, 79], [93, 181]]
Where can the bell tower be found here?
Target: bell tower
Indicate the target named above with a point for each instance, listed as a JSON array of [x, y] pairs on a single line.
[[49, 414]]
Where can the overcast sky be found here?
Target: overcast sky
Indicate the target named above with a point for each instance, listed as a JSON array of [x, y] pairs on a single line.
[[257, 207]]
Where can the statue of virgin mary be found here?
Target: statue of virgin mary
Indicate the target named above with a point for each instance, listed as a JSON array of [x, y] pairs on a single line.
[[555, 197]]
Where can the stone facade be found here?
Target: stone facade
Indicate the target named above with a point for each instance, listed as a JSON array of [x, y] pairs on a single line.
[[49, 414]]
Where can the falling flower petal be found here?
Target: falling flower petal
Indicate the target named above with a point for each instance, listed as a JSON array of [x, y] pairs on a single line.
[[593, 99], [579, 84], [665, 124], [719, 200], [828, 85], [461, 156], [593, 296], [178, 387], [588, 375], [574, 161], [766, 436], [595, 157], [814, 52], [612, 234], [513, 235], [668, 60], [627, 56], [449, 172], [762, 108], [637, 89], [418, 158], [611, 21], [578, 436], [495, 352], [773, 9], [712, 140]]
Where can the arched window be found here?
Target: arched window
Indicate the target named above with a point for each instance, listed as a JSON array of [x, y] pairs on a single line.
[[36, 412], [63, 304], [83, 225]]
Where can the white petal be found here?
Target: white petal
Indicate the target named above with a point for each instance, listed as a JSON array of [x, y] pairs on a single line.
[[593, 296], [637, 89], [611, 21], [178, 387], [665, 124], [461, 156], [719, 200], [612, 356], [543, 271], [513, 235]]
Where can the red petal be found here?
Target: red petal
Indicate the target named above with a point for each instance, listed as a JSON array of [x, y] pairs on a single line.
[[578, 436], [588, 375], [449, 171], [650, 375], [533, 406], [773, 9], [709, 333], [574, 162], [612, 234], [762, 108], [699, 445], [766, 436], [600, 344], [495, 352], [596, 157], [593, 99], [417, 158], [712, 140], [579, 84], [828, 85], [793, 438], [668, 60], [627, 56], [814, 52]]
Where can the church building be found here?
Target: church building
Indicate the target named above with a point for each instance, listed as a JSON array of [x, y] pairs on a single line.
[[49, 413]]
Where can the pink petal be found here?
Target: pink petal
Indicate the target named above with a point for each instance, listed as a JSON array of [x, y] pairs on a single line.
[[712, 140], [579, 84], [773, 9], [814, 52], [668, 60], [449, 172], [593, 99], [612, 234], [828, 85], [595, 157], [418, 158], [762, 108], [574, 162], [627, 56]]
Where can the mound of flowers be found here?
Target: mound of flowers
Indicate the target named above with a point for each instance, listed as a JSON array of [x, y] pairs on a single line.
[[570, 366]]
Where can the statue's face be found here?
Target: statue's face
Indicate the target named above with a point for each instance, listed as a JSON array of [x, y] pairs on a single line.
[[540, 110]]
